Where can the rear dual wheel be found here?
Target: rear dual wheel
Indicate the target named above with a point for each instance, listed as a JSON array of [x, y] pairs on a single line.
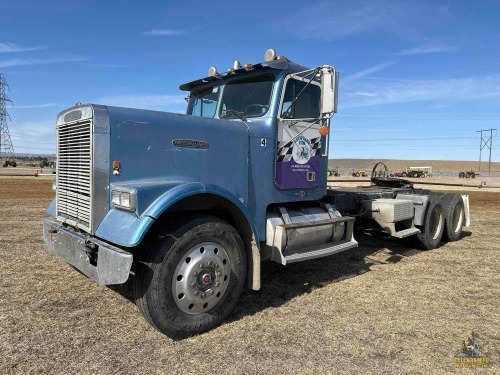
[[444, 220], [434, 222], [191, 279], [454, 213]]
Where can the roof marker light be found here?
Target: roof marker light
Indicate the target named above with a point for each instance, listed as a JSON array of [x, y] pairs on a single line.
[[270, 55], [212, 71]]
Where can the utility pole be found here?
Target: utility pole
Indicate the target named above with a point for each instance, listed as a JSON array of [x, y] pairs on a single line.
[[6, 147], [486, 142]]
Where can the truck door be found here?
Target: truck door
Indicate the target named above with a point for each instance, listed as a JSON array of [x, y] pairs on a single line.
[[299, 144]]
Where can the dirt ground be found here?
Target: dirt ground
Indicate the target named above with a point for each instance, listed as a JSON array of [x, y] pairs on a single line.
[[381, 308]]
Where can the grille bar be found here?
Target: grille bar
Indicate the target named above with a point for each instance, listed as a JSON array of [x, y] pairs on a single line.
[[74, 173]]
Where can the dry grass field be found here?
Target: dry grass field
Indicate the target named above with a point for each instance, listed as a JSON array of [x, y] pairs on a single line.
[[381, 308]]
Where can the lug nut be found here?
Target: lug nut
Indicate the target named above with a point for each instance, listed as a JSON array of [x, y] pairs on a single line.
[[193, 284], [203, 295], [195, 274], [216, 283], [216, 265], [219, 274], [211, 292], [202, 265]]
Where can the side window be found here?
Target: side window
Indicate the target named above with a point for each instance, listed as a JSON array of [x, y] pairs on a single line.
[[306, 105], [203, 103]]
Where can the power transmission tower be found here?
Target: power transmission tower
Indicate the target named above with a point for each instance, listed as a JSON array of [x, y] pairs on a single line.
[[6, 147], [486, 142]]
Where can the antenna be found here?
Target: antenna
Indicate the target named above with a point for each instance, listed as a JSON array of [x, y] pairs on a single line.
[[6, 147]]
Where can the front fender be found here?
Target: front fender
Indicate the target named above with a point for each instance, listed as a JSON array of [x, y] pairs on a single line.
[[128, 229]]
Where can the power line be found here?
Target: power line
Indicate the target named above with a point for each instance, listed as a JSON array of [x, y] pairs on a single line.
[[396, 139], [475, 115], [6, 146]]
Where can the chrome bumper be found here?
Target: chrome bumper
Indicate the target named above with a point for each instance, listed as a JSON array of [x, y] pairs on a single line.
[[101, 262]]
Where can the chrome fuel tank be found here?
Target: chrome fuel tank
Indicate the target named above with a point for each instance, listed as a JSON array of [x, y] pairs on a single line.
[[283, 240]]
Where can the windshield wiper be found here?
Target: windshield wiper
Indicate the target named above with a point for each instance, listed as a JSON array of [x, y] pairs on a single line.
[[237, 114]]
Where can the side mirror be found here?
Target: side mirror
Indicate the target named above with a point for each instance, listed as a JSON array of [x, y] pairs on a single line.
[[329, 89]]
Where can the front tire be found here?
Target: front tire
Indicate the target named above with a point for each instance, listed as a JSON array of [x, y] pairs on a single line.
[[191, 279]]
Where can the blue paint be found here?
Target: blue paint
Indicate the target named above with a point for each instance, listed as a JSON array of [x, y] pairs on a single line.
[[123, 228], [51, 210], [232, 164]]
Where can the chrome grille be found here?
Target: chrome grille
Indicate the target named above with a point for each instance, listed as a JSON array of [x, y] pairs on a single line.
[[74, 173]]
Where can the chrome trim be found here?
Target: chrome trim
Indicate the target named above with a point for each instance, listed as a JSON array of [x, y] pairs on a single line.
[[104, 263], [74, 173], [101, 154], [83, 173]]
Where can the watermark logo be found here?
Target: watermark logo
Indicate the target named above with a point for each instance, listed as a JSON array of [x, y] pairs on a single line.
[[472, 354]]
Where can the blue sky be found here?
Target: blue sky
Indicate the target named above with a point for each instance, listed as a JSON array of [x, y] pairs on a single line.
[[418, 78]]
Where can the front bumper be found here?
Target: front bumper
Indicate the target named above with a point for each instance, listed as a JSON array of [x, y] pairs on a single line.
[[104, 263]]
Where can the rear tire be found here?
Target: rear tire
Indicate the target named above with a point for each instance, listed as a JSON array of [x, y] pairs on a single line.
[[191, 279], [454, 214], [432, 231], [461, 175]]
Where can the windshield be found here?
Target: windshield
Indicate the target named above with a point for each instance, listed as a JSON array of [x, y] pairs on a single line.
[[203, 102], [248, 97]]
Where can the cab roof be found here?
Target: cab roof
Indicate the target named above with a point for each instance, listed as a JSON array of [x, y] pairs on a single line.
[[281, 64]]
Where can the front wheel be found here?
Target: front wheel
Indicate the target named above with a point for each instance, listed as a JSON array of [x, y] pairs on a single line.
[[190, 281]]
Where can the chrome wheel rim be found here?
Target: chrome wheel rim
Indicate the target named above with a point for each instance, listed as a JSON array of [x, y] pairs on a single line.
[[201, 278], [458, 218], [436, 222]]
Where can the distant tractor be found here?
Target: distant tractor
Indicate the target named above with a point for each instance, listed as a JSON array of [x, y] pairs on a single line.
[[359, 173], [44, 163], [9, 163], [416, 172], [468, 174], [333, 172]]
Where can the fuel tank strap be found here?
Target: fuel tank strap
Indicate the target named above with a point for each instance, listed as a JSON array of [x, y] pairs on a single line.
[[337, 220]]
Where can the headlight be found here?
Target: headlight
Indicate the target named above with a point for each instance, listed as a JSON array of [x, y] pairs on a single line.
[[124, 198]]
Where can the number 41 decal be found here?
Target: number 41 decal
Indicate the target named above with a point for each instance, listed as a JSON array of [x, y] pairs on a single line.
[[263, 142]]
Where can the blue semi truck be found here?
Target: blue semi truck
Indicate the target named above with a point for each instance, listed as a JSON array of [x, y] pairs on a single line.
[[186, 207]]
